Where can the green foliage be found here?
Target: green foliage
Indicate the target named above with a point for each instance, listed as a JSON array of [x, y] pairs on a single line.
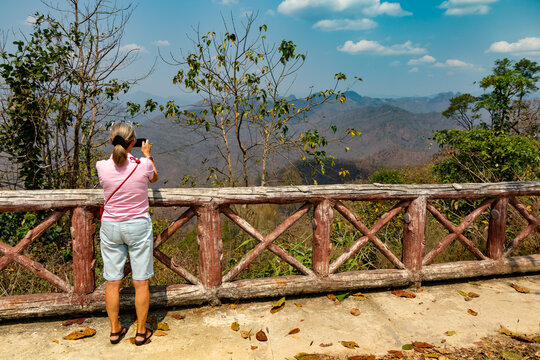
[[29, 72], [241, 78], [509, 83], [482, 155], [502, 147], [387, 176]]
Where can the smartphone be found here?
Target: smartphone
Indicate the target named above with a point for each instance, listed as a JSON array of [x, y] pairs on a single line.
[[139, 142]]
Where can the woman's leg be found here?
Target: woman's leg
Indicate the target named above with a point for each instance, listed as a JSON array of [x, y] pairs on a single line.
[[142, 303], [112, 304]]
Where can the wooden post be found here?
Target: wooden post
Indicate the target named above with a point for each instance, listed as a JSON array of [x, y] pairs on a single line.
[[82, 232], [210, 246], [323, 216], [414, 240], [497, 229]]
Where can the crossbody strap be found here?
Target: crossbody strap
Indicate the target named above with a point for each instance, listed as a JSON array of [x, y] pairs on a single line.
[[119, 186]]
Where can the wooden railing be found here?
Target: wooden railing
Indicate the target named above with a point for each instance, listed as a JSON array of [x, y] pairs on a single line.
[[208, 205]]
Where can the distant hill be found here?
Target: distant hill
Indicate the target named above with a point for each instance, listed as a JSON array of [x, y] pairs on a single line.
[[394, 131]]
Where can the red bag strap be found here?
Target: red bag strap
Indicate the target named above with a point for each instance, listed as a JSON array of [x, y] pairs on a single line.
[[119, 186]]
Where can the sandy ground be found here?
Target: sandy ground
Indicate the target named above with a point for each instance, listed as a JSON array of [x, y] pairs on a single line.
[[386, 322]]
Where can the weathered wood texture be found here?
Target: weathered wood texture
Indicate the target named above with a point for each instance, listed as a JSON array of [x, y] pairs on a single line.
[[82, 232], [322, 227], [13, 307], [210, 245], [209, 205], [497, 229], [51, 199], [414, 241]]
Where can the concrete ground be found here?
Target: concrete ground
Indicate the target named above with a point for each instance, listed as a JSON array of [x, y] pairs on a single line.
[[386, 322]]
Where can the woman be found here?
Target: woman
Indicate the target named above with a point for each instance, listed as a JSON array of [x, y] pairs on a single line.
[[126, 227]]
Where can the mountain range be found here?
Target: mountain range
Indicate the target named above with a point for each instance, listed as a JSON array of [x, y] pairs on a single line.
[[396, 132]]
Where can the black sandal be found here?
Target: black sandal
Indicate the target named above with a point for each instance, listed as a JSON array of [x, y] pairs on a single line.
[[123, 331], [146, 338]]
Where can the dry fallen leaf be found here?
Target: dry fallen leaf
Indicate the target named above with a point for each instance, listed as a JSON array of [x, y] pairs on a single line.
[[235, 326], [473, 295], [80, 334], [332, 297], [359, 296], [280, 304], [355, 311], [232, 306], [424, 345], [468, 298], [159, 326], [73, 321], [253, 347], [298, 304], [462, 293], [325, 345], [246, 334], [305, 356], [178, 316], [55, 341], [520, 289], [432, 355], [349, 344], [395, 353], [361, 357], [450, 333], [261, 336], [294, 331], [472, 312], [404, 294], [160, 333], [514, 335], [421, 288]]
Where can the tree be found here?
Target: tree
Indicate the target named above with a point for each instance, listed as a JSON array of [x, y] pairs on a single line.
[[483, 155], [503, 147], [242, 79], [508, 86], [61, 90]]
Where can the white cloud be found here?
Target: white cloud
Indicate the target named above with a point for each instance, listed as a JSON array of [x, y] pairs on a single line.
[[227, 2], [456, 64], [466, 7], [392, 9], [426, 59], [367, 46], [133, 47], [30, 20], [527, 46], [414, 69], [395, 63], [367, 7], [161, 43], [345, 24]]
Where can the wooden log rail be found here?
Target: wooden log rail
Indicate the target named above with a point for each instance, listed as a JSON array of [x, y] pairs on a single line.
[[211, 206]]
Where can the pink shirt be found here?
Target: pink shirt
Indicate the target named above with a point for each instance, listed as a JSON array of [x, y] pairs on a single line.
[[131, 200]]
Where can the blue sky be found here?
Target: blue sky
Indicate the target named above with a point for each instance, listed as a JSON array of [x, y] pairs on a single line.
[[405, 48]]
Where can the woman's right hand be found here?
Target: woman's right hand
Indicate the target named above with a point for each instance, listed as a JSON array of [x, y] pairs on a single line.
[[146, 147]]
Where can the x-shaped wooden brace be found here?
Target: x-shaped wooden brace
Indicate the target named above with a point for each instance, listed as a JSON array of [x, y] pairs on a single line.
[[265, 241], [456, 232], [534, 223], [168, 261], [15, 253], [369, 235]]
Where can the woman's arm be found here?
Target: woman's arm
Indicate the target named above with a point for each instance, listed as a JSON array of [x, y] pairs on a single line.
[[145, 148]]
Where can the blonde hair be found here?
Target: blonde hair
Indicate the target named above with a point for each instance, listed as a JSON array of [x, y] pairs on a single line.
[[127, 132]]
